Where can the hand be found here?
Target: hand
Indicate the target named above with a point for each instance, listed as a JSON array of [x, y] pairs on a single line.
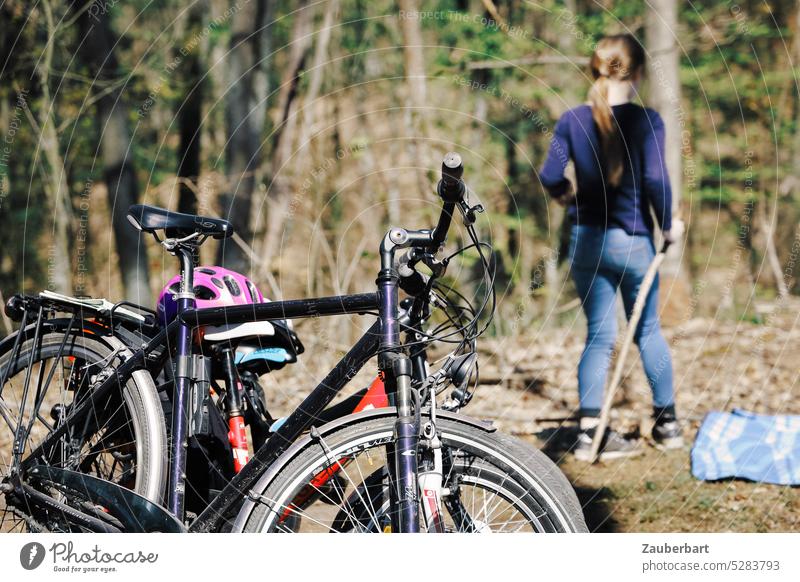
[[676, 232], [566, 199]]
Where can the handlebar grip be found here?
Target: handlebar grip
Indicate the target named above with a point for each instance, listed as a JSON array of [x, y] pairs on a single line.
[[451, 186]]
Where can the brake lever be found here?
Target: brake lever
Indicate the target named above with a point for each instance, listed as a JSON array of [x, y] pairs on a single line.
[[469, 212], [436, 266]]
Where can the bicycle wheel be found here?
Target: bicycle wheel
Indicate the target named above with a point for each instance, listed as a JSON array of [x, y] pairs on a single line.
[[339, 482], [123, 440]]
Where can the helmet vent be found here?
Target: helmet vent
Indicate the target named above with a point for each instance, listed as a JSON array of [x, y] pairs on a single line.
[[204, 293], [232, 285], [252, 290]]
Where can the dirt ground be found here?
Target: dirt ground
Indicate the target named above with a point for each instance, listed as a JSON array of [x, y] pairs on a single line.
[[656, 493], [529, 388]]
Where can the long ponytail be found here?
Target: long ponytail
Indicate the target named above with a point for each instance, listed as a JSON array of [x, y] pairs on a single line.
[[618, 57]]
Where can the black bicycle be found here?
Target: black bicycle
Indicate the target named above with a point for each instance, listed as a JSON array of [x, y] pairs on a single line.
[[98, 462]]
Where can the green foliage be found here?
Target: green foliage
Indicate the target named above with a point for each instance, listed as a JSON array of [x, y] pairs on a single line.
[[740, 99]]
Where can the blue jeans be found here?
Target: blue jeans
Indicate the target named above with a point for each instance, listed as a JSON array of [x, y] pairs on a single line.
[[602, 261]]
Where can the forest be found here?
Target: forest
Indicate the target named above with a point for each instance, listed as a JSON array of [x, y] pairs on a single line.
[[314, 125]]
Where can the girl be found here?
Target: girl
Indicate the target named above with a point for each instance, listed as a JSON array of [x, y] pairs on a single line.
[[618, 150]]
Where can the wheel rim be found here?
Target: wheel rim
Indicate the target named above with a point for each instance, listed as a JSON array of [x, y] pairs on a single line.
[[493, 499]]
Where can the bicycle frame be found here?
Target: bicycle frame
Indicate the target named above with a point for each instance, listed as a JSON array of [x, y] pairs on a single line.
[[382, 338], [152, 356]]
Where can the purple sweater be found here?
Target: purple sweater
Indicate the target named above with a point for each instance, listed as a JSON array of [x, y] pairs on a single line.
[[644, 183]]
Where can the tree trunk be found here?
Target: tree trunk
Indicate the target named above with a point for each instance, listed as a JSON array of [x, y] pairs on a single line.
[[280, 212], [245, 113], [558, 219], [115, 143], [190, 113], [791, 183], [214, 139], [321, 56], [417, 90], [665, 97], [59, 271], [768, 217]]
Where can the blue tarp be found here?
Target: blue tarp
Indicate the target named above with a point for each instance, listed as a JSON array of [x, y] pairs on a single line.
[[742, 444]]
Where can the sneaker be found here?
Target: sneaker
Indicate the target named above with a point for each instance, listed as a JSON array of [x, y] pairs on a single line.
[[614, 446], [667, 434]]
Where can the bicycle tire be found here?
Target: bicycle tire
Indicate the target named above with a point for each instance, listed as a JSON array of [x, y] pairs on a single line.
[[139, 394], [546, 493]]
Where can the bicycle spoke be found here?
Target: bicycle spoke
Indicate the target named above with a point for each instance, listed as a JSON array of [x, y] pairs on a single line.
[[40, 396], [302, 514], [347, 475], [59, 373]]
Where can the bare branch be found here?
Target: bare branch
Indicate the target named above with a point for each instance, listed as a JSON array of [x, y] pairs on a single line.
[[529, 61]]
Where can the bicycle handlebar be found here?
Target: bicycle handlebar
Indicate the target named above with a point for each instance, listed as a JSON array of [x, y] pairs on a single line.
[[451, 190], [451, 187]]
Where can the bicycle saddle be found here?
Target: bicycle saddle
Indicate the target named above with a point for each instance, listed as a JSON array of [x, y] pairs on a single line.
[[175, 224]]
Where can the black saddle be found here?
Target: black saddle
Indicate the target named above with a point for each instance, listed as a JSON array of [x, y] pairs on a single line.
[[175, 224]]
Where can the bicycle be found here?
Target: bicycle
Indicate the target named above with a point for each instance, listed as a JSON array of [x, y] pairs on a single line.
[[416, 468]]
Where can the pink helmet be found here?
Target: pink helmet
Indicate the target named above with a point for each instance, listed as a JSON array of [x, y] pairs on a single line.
[[213, 287], [262, 346]]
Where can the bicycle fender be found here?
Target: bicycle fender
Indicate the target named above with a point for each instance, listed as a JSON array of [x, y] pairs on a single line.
[[136, 513], [50, 325]]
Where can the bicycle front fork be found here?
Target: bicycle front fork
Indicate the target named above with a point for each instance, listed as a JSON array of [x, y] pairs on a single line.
[[416, 483], [406, 440], [431, 479]]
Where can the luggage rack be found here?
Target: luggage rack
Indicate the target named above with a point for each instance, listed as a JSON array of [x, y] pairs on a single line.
[[91, 306]]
